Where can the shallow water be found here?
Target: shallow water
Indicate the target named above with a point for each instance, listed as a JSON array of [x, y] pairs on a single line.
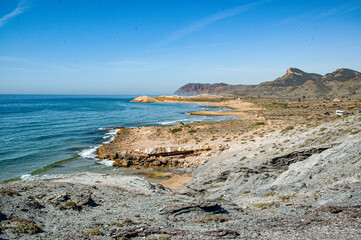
[[38, 130]]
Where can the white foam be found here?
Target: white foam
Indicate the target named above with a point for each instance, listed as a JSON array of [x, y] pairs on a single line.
[[167, 122], [106, 162], [175, 121], [110, 135], [29, 177], [89, 153]]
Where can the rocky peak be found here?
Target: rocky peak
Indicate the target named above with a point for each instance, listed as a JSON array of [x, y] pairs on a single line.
[[293, 77], [342, 74], [294, 71]]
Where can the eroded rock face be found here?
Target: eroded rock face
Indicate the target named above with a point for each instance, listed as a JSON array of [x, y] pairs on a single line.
[[161, 156], [181, 145]]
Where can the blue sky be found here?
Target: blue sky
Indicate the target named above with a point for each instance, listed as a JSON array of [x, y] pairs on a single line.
[[154, 47]]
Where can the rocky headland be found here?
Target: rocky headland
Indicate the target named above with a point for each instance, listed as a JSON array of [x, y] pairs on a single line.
[[289, 171]]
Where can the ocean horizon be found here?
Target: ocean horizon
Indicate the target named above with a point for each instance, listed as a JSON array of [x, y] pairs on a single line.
[[44, 136]]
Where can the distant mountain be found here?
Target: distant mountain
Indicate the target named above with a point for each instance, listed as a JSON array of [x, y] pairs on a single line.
[[201, 88], [294, 84], [293, 77]]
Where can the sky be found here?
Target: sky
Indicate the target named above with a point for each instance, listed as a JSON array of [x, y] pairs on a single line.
[[156, 46]]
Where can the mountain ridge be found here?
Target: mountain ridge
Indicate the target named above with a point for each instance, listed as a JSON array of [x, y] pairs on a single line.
[[295, 83]]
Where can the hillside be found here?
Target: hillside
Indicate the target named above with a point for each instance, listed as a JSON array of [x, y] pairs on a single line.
[[343, 83], [196, 88]]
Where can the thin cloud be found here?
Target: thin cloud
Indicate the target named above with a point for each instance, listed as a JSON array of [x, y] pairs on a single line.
[[197, 26], [341, 10], [137, 65], [20, 8], [317, 14], [29, 62]]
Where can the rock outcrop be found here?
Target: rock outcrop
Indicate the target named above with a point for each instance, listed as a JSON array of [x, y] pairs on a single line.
[[144, 99], [161, 156]]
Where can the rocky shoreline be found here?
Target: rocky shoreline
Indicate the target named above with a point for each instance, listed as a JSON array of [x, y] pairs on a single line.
[[274, 179]]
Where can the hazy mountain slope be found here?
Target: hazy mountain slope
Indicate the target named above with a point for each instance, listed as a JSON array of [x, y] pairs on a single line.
[[294, 84], [200, 88]]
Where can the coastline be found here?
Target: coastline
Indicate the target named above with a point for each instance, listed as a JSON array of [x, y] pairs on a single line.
[[278, 178], [226, 198], [181, 146], [95, 132], [240, 108]]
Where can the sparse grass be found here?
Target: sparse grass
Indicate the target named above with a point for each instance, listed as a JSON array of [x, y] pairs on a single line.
[[72, 205], [192, 131], [289, 128], [95, 232], [25, 226], [265, 205], [243, 158], [17, 219], [269, 194], [174, 130], [128, 221], [258, 124], [157, 175], [355, 132], [215, 219], [287, 197]]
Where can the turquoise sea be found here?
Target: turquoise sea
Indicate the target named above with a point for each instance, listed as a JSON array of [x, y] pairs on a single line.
[[61, 132]]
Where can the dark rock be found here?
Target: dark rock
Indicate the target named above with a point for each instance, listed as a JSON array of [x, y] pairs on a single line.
[[2, 216]]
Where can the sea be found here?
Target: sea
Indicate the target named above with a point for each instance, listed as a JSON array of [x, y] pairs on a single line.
[[48, 136]]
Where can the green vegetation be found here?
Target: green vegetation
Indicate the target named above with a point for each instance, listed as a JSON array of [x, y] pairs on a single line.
[[323, 129], [265, 205], [192, 131], [12, 180], [72, 205], [95, 232], [287, 197], [174, 130], [288, 128], [25, 226], [269, 194], [52, 165], [157, 175], [258, 124]]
